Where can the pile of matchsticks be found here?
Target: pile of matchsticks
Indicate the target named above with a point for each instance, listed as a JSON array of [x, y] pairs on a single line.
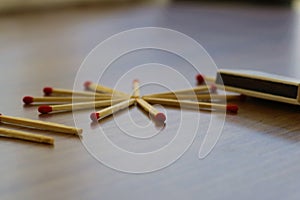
[[203, 97]]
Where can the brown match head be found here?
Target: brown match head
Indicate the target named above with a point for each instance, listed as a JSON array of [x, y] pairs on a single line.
[[28, 99], [95, 116], [48, 91], [160, 117], [45, 109], [136, 81]]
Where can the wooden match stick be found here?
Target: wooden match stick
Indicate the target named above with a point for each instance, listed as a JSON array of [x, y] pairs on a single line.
[[202, 97], [112, 109], [44, 109], [202, 88], [49, 91], [103, 89], [26, 136], [30, 99], [158, 116], [49, 126], [201, 79], [191, 104], [136, 89]]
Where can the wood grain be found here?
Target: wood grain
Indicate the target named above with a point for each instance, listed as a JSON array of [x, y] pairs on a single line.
[[257, 156]]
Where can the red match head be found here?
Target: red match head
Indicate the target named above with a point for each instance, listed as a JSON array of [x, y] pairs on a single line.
[[160, 117], [232, 108], [44, 109], [136, 80], [47, 90], [87, 84], [213, 88], [95, 116], [28, 99], [200, 79]]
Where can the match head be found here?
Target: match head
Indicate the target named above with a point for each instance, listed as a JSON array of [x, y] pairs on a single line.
[[45, 109], [213, 88], [95, 116], [160, 117], [232, 108], [48, 90], [136, 80], [200, 79], [28, 99], [87, 84]]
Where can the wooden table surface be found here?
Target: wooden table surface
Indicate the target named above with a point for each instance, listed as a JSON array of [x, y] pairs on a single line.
[[256, 157]]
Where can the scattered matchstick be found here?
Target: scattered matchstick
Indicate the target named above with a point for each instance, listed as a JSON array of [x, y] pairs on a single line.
[[112, 109], [203, 88], [49, 126], [103, 89], [202, 97], [192, 104], [26, 136], [136, 89], [30, 99], [201, 79], [158, 116], [45, 109], [49, 91]]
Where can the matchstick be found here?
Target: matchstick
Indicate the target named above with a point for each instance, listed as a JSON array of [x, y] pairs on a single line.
[[49, 126], [201, 79], [202, 97], [158, 116], [103, 89], [203, 88], [192, 104], [44, 109], [112, 109], [49, 91], [136, 89], [30, 99], [26, 136]]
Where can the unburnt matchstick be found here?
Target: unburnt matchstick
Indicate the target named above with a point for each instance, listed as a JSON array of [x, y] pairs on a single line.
[[111, 110], [22, 135], [45, 109], [38, 124], [103, 89], [201, 79], [199, 89], [203, 97], [136, 89], [192, 104], [50, 99], [49, 91], [157, 116]]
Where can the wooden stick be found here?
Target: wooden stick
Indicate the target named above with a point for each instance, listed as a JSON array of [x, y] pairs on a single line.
[[201, 79], [202, 88], [49, 91], [136, 88], [112, 109], [103, 89], [44, 109], [158, 116], [191, 104], [30, 99], [26, 136], [49, 126], [201, 97]]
